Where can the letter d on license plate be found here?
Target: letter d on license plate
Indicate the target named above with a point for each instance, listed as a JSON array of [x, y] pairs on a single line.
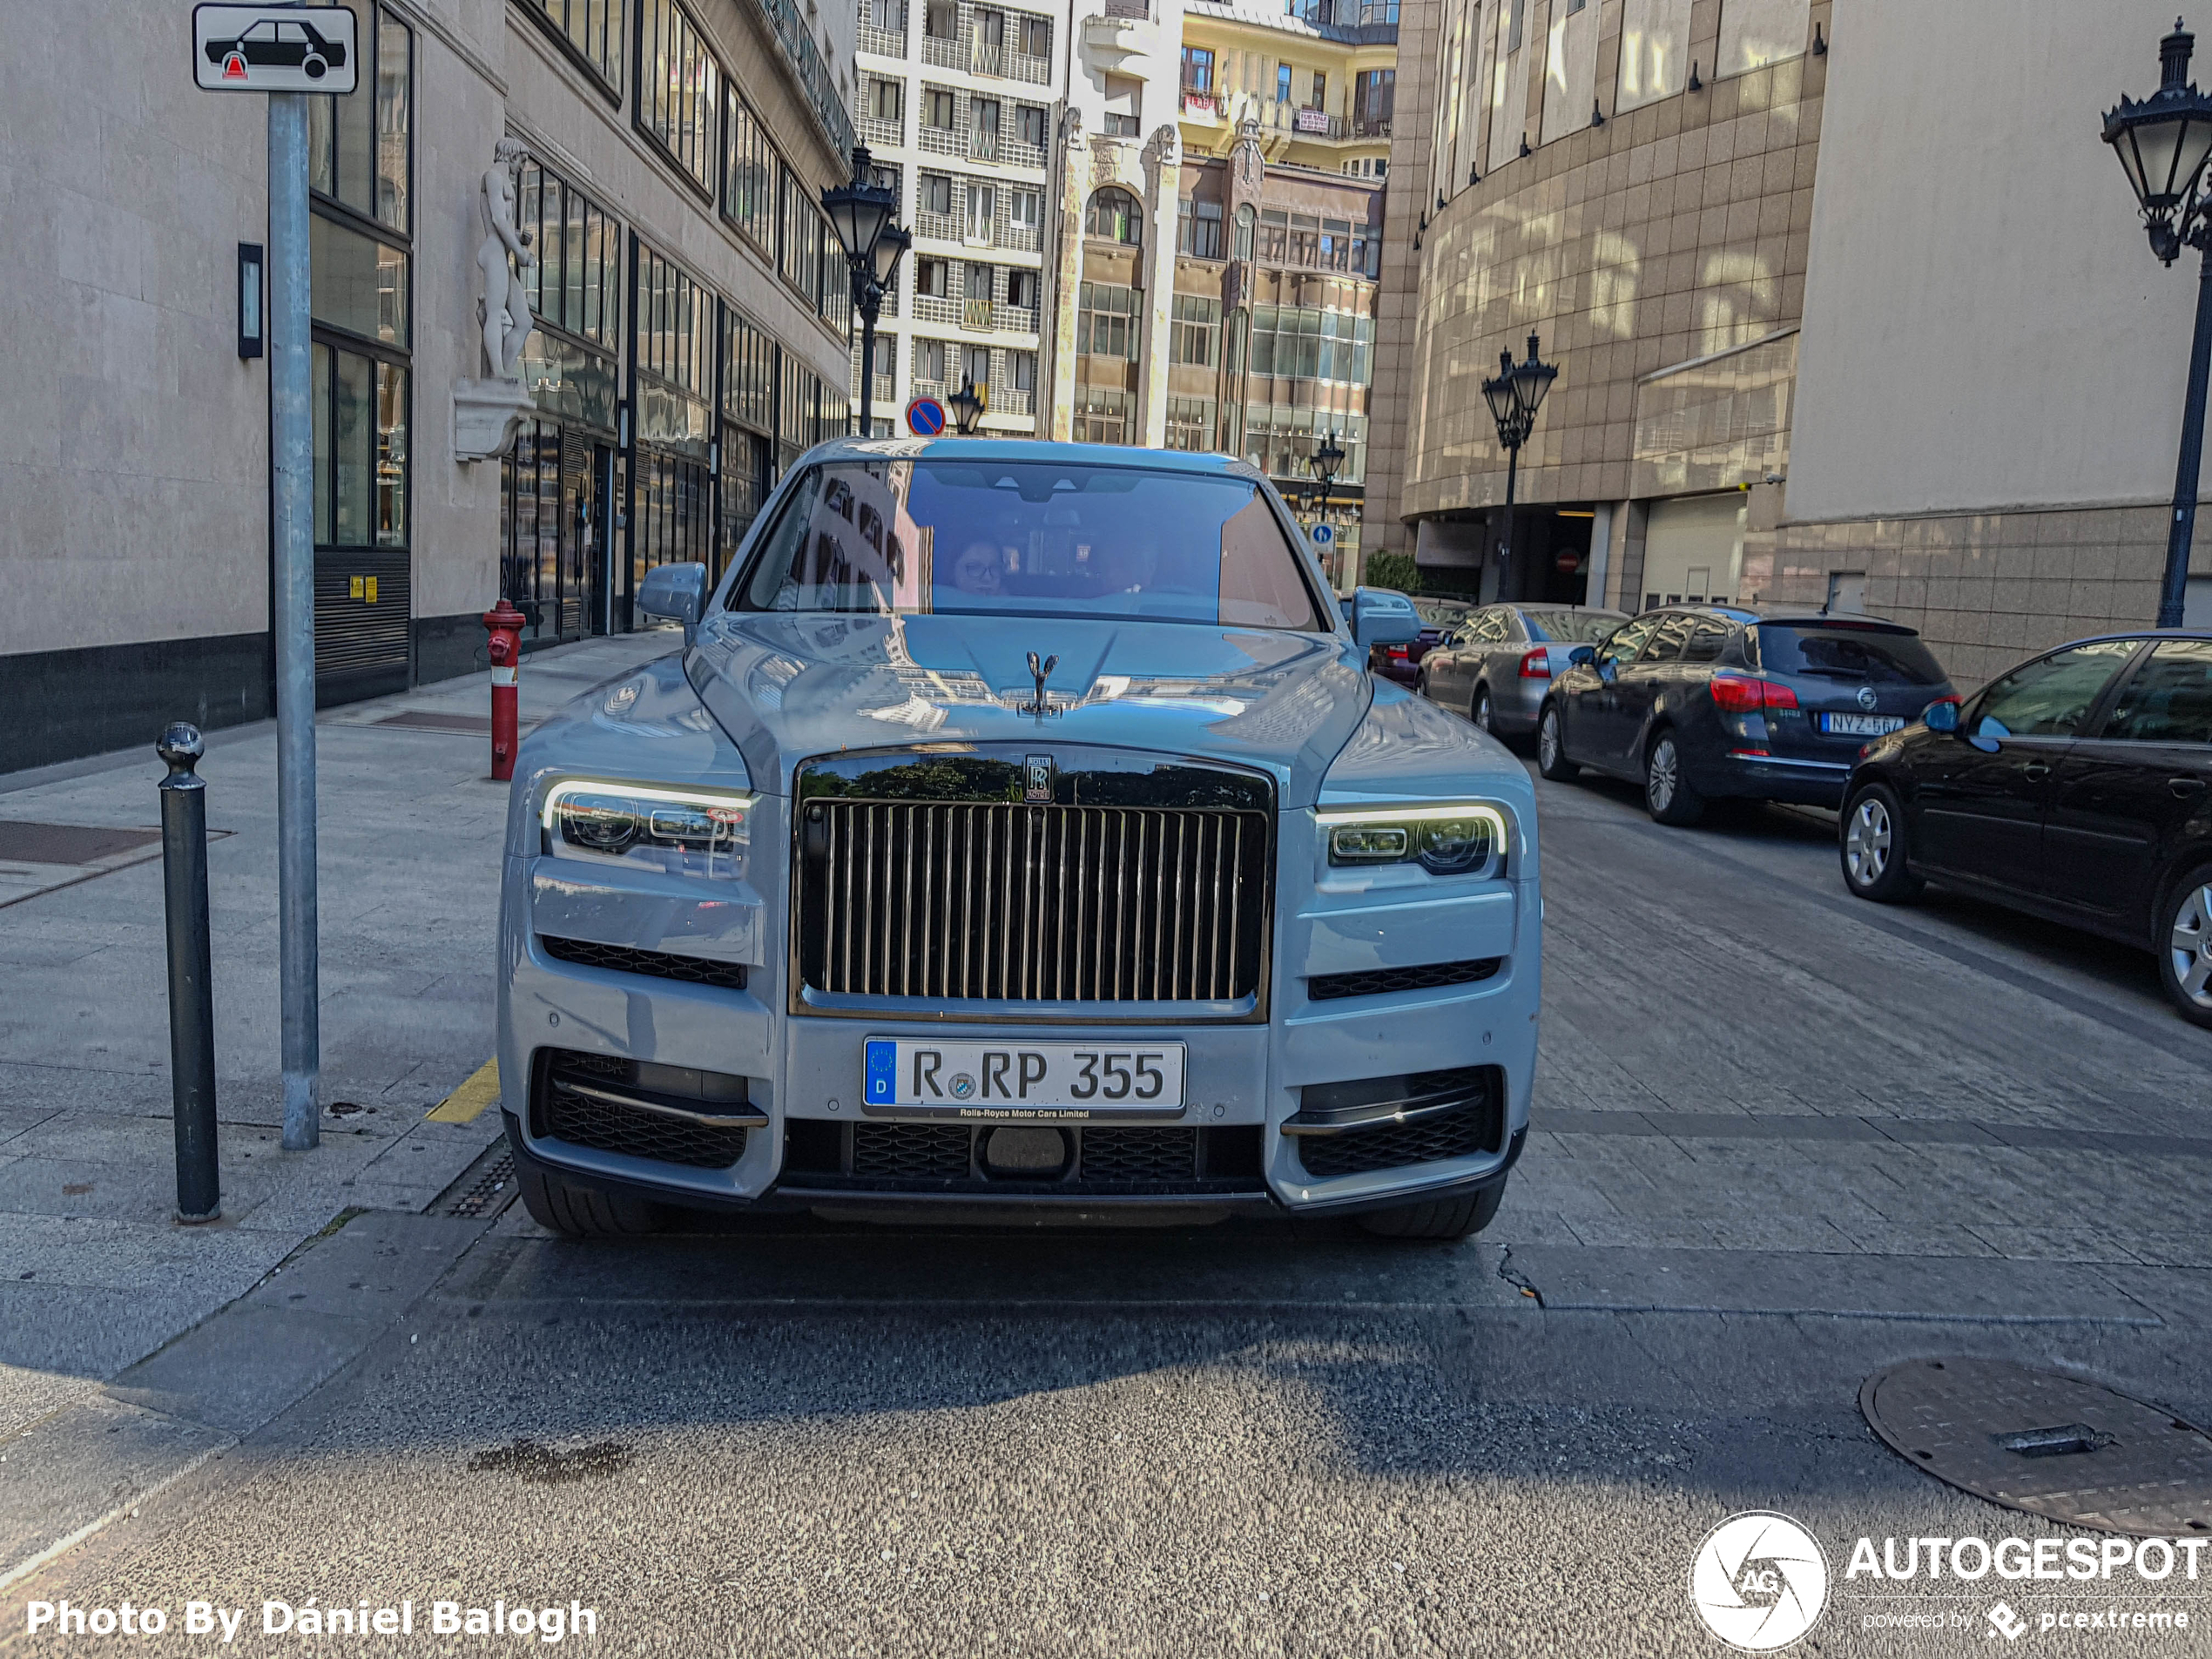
[[903, 1078]]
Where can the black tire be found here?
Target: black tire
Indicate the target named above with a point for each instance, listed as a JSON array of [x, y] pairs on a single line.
[[1668, 795], [1481, 713], [578, 1212], [1442, 1219], [1551, 751], [1869, 840], [2184, 945]]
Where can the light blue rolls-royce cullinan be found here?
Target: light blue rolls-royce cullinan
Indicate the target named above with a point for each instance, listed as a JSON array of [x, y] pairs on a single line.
[[1017, 831]]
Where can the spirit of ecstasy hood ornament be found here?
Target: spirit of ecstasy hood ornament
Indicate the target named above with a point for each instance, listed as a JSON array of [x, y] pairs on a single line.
[[1040, 672]]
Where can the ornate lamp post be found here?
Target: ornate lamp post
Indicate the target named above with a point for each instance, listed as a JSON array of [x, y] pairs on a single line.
[[860, 214], [968, 408], [1327, 457], [2163, 142], [1514, 395]]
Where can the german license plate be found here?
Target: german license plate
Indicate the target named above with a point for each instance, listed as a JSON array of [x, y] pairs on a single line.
[[1861, 726], [1015, 1080]]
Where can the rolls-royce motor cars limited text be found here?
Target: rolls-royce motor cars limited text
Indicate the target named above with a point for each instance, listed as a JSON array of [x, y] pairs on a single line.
[[1019, 826]]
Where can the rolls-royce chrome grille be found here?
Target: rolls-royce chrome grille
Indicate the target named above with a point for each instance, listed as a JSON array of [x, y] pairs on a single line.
[[961, 900]]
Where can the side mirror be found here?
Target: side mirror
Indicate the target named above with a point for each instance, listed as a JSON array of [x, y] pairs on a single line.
[[1380, 618], [1581, 656], [1942, 717], [677, 591]]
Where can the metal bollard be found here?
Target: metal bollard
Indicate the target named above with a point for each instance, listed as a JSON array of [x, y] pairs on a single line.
[[192, 1001]]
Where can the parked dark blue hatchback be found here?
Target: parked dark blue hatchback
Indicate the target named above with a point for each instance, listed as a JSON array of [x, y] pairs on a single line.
[[1704, 702]]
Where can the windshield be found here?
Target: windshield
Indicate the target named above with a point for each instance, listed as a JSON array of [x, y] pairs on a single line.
[[1445, 613], [1878, 656], [1571, 627], [978, 537]]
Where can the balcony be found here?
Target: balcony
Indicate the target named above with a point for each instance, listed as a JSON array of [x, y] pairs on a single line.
[[1121, 41], [882, 43], [983, 146], [1027, 239], [943, 227], [943, 141], [1005, 400], [938, 307], [1015, 319], [1370, 126], [879, 132], [945, 52], [975, 314], [1200, 106]]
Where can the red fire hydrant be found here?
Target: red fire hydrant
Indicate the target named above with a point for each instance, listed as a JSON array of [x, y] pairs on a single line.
[[505, 624]]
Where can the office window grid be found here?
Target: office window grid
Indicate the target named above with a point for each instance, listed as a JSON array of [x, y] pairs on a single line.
[[675, 324], [576, 283], [749, 174], [593, 28], [1108, 322], [748, 371], [681, 91]]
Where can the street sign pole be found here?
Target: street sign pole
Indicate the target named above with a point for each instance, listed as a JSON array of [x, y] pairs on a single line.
[[292, 465]]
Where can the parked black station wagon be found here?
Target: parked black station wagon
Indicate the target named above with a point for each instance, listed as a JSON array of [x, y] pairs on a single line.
[[1703, 702], [2077, 787]]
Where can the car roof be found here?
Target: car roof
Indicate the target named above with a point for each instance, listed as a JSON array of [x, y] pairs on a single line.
[[1096, 454]]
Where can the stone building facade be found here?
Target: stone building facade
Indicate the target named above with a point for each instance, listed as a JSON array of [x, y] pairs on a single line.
[[691, 337], [1817, 340]]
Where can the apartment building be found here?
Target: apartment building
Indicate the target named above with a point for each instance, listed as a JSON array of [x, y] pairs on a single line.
[[1216, 232], [956, 102]]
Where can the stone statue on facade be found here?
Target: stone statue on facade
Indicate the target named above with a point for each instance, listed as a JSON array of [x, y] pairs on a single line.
[[487, 412], [504, 258]]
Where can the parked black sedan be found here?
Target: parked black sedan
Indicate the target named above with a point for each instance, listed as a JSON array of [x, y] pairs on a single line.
[[1706, 701], [2078, 787]]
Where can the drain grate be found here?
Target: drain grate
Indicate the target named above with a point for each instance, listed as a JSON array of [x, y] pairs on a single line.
[[27, 843], [485, 1188], [2054, 1445]]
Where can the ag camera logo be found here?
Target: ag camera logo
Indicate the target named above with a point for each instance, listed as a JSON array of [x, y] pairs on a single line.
[[1759, 1581]]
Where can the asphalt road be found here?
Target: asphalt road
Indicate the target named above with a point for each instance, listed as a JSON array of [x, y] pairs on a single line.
[[1783, 1139]]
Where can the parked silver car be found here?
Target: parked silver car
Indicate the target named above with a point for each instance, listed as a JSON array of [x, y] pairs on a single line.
[[1019, 828], [1495, 667]]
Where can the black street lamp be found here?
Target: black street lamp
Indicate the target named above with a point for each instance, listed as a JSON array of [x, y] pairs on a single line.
[[2163, 142], [967, 407], [860, 214], [1514, 396], [1327, 457]]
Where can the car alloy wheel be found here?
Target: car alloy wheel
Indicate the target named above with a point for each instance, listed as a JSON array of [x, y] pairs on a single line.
[[2189, 945], [1483, 713], [1866, 841], [1662, 778]]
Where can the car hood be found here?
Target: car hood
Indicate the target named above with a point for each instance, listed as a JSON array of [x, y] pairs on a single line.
[[790, 687]]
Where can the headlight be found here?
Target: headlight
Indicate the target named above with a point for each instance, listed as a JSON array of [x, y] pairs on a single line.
[[1449, 837], [681, 831]]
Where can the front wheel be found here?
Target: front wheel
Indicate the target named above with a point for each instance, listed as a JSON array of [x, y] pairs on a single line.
[[1551, 754], [1668, 795], [1871, 838], [1485, 721], [2185, 946], [1445, 1218]]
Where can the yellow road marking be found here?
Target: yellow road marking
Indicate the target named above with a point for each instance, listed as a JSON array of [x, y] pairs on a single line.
[[467, 1103]]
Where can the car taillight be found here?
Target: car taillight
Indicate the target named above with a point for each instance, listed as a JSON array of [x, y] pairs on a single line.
[[1744, 694], [1396, 653], [1536, 664]]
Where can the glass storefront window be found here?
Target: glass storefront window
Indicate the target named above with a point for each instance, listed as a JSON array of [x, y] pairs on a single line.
[[360, 444], [360, 285], [576, 283]]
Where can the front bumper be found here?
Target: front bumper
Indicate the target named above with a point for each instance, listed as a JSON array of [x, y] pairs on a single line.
[[1242, 1080]]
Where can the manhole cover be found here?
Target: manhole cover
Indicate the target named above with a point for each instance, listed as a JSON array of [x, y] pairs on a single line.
[[2050, 1445], [26, 843]]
